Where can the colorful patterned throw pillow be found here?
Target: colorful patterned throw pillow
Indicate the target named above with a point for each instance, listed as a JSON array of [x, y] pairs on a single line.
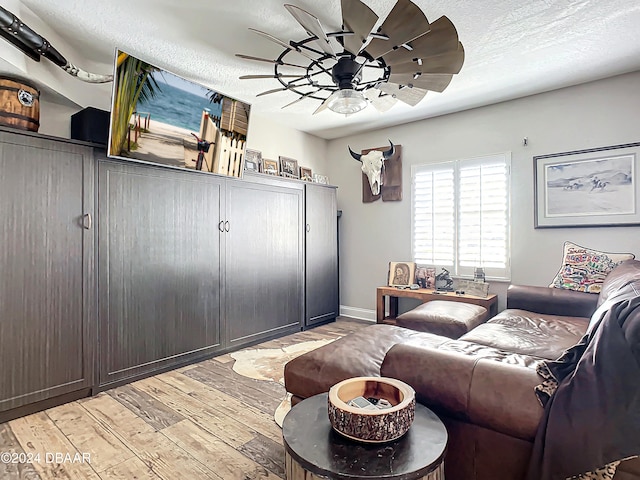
[[584, 269]]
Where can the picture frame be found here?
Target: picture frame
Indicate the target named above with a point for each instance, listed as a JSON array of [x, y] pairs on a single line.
[[270, 167], [252, 160], [401, 274], [321, 179], [595, 187], [426, 277], [306, 174], [289, 167], [470, 287]]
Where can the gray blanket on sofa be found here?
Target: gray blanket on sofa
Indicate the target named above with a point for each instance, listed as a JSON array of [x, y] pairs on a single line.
[[593, 418]]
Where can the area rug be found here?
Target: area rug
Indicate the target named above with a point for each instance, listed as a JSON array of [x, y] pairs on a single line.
[[268, 364]]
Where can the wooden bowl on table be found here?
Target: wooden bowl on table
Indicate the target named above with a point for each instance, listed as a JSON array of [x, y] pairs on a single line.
[[372, 425]]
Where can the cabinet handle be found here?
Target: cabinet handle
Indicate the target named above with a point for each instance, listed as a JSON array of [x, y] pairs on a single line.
[[226, 226], [87, 221], [308, 228], [221, 226]]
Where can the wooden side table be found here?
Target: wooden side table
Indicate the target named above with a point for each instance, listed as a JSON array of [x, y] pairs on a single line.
[[314, 451], [426, 295]]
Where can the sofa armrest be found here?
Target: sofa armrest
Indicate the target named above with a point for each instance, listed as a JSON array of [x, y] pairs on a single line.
[[483, 392], [551, 301]]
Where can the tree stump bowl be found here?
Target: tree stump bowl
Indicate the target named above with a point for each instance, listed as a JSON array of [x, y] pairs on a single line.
[[372, 426]]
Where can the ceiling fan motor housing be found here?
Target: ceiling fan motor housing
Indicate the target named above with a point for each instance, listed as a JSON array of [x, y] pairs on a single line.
[[346, 73]]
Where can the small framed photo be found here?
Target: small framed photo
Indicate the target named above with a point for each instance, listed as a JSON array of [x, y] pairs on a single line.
[[321, 179], [306, 174], [426, 277], [401, 274], [252, 160], [289, 167], [270, 167]]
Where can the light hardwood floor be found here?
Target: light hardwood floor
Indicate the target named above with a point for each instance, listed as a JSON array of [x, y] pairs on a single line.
[[203, 421]]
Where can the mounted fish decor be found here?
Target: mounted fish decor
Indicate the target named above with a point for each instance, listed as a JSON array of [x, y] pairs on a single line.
[[35, 46]]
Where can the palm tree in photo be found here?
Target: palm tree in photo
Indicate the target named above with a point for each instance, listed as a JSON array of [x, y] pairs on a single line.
[[134, 83]]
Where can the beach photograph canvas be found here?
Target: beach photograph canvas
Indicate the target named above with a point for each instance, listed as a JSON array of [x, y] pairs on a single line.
[[160, 117], [601, 186]]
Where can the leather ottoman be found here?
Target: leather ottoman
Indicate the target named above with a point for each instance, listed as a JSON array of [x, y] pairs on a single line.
[[449, 319]]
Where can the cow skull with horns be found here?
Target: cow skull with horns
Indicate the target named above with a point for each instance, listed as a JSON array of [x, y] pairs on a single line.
[[372, 165]]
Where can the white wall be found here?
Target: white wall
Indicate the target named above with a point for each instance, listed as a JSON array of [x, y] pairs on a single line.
[[273, 140], [596, 114]]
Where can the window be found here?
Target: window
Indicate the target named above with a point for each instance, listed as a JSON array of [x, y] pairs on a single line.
[[460, 217]]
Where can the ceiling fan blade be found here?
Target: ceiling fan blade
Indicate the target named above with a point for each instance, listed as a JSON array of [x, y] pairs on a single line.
[[254, 77], [360, 19], [426, 81], [277, 41], [266, 60], [312, 26], [323, 106], [410, 96], [450, 63], [294, 102], [442, 38], [268, 92], [380, 101], [405, 22]]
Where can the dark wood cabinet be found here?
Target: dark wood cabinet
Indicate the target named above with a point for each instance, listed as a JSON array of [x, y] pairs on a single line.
[[264, 260], [46, 269], [321, 268], [113, 270], [159, 268]]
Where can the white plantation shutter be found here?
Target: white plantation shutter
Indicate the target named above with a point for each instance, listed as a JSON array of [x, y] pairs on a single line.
[[483, 216], [461, 215], [434, 214]]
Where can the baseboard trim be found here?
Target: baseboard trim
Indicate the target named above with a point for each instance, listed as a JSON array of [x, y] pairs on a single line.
[[359, 313]]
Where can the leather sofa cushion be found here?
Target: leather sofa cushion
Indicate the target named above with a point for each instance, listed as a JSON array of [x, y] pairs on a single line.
[[625, 273], [356, 355], [552, 301], [528, 333], [478, 390], [449, 319]]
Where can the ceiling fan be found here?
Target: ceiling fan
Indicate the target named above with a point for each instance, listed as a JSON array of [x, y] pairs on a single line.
[[346, 70]]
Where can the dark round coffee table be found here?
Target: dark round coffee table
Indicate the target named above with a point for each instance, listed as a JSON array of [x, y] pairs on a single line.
[[313, 449]]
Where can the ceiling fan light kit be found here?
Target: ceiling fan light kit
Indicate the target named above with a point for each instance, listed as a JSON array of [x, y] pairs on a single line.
[[346, 70], [347, 101]]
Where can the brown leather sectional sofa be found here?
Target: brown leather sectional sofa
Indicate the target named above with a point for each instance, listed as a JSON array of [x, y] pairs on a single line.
[[482, 384]]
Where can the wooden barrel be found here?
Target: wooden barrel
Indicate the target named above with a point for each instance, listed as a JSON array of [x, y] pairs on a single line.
[[19, 104]]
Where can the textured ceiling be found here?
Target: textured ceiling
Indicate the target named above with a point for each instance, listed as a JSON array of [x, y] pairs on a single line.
[[513, 48]]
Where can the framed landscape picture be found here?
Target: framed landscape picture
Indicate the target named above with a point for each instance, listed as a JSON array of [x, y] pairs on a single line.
[[587, 188]]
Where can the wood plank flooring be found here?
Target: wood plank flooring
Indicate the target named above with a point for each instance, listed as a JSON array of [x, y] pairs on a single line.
[[202, 421]]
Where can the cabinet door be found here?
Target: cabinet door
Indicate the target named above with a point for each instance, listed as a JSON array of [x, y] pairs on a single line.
[[264, 261], [322, 254], [45, 269], [159, 274]]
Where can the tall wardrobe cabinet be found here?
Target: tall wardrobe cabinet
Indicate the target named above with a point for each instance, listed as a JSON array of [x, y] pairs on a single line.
[[321, 266], [47, 321]]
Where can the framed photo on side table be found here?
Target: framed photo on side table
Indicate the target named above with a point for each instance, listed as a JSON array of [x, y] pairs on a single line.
[[401, 274], [588, 188]]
